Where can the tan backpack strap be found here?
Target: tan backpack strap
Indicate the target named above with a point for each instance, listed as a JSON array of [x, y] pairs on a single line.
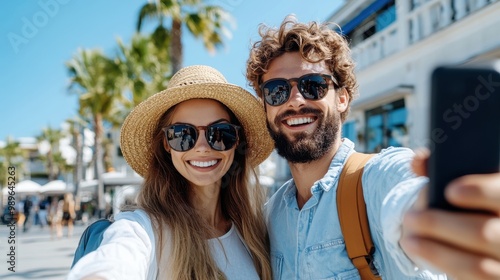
[[352, 215]]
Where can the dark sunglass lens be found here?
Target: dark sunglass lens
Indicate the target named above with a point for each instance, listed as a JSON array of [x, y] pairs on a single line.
[[313, 87], [222, 137], [276, 92], [181, 137]]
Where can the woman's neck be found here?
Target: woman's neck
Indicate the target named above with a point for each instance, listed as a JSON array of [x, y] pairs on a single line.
[[206, 201]]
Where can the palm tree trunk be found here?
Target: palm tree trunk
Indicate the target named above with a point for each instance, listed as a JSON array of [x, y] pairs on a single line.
[[50, 164], [78, 146], [99, 131], [176, 46]]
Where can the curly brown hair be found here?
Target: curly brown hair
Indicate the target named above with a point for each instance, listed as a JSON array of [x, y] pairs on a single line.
[[315, 41]]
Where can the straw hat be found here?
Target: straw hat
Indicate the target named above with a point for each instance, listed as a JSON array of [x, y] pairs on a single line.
[[188, 83]]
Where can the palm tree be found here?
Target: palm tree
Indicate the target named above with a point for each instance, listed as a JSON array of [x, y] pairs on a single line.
[[97, 81], [76, 130], [11, 155], [52, 137], [146, 66], [205, 22], [61, 165], [3, 175]]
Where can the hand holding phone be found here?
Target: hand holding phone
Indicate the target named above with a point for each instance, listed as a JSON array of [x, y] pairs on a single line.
[[464, 126]]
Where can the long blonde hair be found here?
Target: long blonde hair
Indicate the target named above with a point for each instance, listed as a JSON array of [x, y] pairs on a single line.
[[164, 196]]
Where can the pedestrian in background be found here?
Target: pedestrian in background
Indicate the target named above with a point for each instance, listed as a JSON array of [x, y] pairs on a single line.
[[55, 214], [68, 213], [27, 205], [43, 205]]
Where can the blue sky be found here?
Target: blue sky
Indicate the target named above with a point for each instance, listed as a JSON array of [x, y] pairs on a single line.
[[38, 37]]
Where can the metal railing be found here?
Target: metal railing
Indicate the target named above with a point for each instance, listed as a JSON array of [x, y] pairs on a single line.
[[412, 25]]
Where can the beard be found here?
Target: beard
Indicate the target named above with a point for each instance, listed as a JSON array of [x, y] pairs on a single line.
[[306, 147]]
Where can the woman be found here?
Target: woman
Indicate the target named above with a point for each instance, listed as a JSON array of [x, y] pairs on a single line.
[[198, 217], [55, 215], [69, 214]]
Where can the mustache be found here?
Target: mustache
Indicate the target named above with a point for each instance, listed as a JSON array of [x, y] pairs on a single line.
[[302, 111]]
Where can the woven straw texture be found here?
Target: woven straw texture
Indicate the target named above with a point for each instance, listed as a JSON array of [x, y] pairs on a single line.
[[189, 83]]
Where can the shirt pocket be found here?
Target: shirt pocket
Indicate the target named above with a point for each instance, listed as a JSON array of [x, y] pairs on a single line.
[[277, 264], [329, 260]]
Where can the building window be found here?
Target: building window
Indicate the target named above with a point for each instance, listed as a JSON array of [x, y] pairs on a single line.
[[386, 18], [386, 126], [349, 131]]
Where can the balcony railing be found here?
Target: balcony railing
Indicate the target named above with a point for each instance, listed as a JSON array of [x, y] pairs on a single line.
[[376, 47], [412, 25]]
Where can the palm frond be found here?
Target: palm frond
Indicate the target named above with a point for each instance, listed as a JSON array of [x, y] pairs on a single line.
[[147, 12]]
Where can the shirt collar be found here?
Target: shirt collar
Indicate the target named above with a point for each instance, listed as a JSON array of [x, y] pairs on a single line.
[[290, 193], [333, 173]]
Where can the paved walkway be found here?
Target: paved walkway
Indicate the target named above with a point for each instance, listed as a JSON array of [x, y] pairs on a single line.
[[37, 256]]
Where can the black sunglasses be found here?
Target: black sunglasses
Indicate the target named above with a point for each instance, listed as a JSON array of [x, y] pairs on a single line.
[[312, 86], [220, 136]]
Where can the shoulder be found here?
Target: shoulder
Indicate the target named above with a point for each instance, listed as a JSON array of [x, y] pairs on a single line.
[[387, 172], [137, 215], [390, 161], [137, 221], [127, 242], [395, 153]]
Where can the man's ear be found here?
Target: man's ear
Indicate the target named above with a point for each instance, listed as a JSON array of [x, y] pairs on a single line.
[[165, 145], [342, 100]]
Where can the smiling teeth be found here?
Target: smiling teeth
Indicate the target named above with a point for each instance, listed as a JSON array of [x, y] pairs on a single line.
[[299, 121], [203, 163]]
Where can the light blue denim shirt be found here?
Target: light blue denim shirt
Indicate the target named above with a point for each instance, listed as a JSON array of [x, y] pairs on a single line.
[[308, 243]]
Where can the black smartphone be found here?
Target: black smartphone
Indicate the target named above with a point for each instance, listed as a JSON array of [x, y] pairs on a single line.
[[464, 125]]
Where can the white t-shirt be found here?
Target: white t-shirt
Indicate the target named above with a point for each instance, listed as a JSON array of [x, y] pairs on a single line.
[[127, 251], [233, 258]]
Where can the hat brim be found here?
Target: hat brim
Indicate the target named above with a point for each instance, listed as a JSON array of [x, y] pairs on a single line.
[[136, 134]]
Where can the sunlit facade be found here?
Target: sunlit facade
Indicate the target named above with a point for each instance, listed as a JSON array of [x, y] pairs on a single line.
[[396, 44]]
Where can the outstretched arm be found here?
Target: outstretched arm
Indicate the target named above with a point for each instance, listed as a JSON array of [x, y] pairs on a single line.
[[464, 245]]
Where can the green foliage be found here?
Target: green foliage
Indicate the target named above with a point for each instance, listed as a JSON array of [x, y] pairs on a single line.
[[205, 22], [52, 137], [97, 80], [145, 66], [10, 155]]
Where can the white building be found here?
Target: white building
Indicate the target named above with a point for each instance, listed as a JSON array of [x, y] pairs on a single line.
[[396, 45]]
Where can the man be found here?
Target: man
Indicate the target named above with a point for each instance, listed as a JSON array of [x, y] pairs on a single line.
[[306, 239], [27, 212]]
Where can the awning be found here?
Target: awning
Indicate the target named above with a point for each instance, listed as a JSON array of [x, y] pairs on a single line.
[[120, 179], [364, 14], [56, 187], [24, 187], [112, 179], [382, 97]]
